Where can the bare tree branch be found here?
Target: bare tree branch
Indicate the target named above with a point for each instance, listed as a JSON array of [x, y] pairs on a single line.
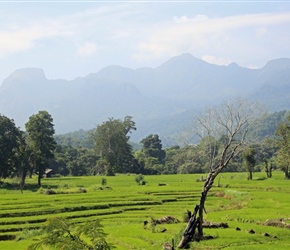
[[230, 120]]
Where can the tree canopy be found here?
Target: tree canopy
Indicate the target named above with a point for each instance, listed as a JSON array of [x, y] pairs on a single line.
[[249, 161], [112, 144], [40, 131], [283, 141], [9, 142], [151, 157]]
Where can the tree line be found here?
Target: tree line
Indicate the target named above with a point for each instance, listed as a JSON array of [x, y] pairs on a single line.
[[26, 153], [108, 151], [224, 145]]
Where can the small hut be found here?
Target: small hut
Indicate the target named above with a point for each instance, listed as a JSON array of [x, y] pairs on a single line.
[[49, 173]]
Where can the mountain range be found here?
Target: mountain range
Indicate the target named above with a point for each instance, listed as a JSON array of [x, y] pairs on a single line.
[[161, 100]]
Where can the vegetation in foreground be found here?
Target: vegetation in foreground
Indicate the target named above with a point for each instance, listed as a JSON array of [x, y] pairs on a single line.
[[223, 131], [257, 207]]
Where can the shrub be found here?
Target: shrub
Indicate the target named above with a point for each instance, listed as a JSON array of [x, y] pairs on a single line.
[[139, 179], [104, 182], [60, 234]]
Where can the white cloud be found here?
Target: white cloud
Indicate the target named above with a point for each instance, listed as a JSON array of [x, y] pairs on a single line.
[[261, 31], [202, 35], [184, 19], [19, 38], [216, 60], [137, 34], [87, 49], [96, 24]]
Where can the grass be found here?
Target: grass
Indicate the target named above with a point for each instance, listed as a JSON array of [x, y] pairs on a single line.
[[124, 206]]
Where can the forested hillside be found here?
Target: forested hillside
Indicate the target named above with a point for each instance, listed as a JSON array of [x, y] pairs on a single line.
[[266, 129], [269, 124]]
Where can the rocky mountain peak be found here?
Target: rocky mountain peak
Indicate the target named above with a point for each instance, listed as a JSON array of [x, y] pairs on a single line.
[[26, 75]]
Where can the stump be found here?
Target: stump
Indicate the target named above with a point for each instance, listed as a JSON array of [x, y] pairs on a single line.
[[190, 229]]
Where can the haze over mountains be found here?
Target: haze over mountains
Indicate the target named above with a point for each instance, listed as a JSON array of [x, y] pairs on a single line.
[[161, 100]]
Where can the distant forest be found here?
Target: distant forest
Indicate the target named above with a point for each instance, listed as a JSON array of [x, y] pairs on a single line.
[[107, 150], [83, 138]]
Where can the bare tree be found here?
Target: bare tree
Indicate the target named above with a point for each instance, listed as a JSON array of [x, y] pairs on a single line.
[[226, 124]]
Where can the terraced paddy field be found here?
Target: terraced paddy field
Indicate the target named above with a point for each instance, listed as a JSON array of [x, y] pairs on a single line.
[[261, 205]]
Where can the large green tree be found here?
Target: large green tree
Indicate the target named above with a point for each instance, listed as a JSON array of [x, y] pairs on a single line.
[[283, 142], [152, 147], [9, 142], [22, 161], [40, 131], [112, 144], [152, 155]]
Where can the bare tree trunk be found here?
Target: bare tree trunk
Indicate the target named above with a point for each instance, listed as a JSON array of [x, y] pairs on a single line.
[[268, 169], [199, 236], [286, 172], [39, 176], [22, 180], [206, 187], [197, 222], [250, 175], [30, 173], [190, 229], [231, 120]]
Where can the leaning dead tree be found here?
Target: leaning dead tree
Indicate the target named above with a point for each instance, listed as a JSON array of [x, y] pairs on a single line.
[[190, 229], [223, 130]]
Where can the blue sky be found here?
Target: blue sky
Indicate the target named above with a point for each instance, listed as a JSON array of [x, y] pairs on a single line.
[[68, 39]]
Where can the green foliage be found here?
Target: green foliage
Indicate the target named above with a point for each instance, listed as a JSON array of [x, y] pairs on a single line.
[[265, 149], [74, 161], [270, 124], [111, 143], [73, 156], [77, 139], [249, 161], [283, 142], [270, 121], [140, 180], [59, 233], [40, 131], [84, 163], [152, 156], [10, 137], [152, 147], [123, 210], [187, 160], [103, 181]]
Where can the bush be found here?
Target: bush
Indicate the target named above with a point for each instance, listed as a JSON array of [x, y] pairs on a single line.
[[60, 234], [104, 182], [139, 179]]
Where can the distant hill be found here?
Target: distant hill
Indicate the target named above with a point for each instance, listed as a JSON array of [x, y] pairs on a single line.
[[270, 121], [161, 100]]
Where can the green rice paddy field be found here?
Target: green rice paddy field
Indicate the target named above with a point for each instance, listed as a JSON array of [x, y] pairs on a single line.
[[262, 205]]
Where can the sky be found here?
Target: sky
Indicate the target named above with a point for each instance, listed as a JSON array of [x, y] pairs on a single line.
[[70, 39]]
